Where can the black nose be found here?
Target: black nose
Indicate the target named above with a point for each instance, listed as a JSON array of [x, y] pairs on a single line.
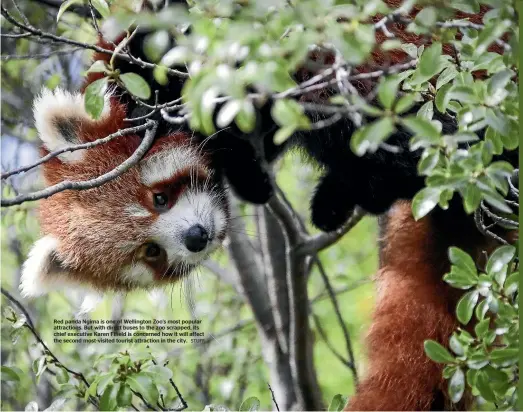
[[196, 238]]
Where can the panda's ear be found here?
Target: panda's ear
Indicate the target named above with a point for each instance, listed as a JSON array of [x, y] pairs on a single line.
[[59, 116], [43, 271]]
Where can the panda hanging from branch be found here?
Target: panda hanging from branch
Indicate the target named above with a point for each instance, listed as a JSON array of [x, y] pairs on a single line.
[[133, 231]]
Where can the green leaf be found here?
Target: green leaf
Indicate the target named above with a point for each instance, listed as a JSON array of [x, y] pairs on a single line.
[[429, 160], [387, 91], [501, 257], [176, 56], [62, 376], [102, 382], [446, 76], [429, 60], [405, 103], [250, 404], [482, 328], [143, 384], [456, 346], [160, 75], [228, 112], [462, 259], [426, 17], [64, 6], [94, 97], [504, 357], [108, 398], [426, 111], [463, 94], [99, 66], [288, 112], [39, 365], [457, 386], [136, 85], [101, 7], [437, 352], [499, 81], [424, 201], [494, 138], [443, 97], [460, 278], [283, 134], [10, 374], [125, 396], [511, 284], [466, 306], [481, 309], [246, 117], [471, 198], [159, 373], [477, 361], [338, 402], [369, 137], [497, 121], [495, 199], [483, 385], [488, 35], [155, 45], [471, 377], [422, 127]]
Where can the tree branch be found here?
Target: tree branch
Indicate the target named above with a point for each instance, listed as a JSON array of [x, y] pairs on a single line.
[[73, 148], [92, 183], [59, 39], [30, 325], [314, 244]]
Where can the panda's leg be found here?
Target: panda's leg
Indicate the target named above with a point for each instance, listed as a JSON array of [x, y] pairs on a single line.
[[245, 171], [332, 203]]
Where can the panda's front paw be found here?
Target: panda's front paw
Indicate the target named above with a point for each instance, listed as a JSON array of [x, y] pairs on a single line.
[[331, 205], [252, 184]]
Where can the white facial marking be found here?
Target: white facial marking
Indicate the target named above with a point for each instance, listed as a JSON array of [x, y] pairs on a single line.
[[52, 107], [191, 209], [36, 279], [165, 164], [89, 303], [138, 274], [137, 210]]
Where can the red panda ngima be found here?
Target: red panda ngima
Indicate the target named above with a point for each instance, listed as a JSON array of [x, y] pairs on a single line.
[[149, 226]]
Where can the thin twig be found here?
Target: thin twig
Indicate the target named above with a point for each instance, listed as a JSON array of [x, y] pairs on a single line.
[[8, 57], [30, 325], [92, 183], [273, 397], [330, 290], [314, 244], [73, 148], [44, 35]]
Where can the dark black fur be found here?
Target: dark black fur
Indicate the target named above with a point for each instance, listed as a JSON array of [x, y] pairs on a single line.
[[373, 182]]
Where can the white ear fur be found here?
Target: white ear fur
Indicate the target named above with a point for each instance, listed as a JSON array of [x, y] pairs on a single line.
[[58, 115], [89, 303], [40, 274]]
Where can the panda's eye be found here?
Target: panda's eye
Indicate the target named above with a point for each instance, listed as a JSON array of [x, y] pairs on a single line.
[[160, 200], [153, 251]]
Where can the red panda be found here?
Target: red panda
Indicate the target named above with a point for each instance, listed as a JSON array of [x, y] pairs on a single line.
[[151, 225], [414, 304]]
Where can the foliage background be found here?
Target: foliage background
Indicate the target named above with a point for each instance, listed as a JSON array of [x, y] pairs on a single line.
[[230, 368]]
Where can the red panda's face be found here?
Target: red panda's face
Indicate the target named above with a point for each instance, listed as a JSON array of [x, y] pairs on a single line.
[[151, 225]]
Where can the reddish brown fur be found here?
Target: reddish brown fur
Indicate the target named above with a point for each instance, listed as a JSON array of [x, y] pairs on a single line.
[[413, 304], [89, 229], [380, 59]]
